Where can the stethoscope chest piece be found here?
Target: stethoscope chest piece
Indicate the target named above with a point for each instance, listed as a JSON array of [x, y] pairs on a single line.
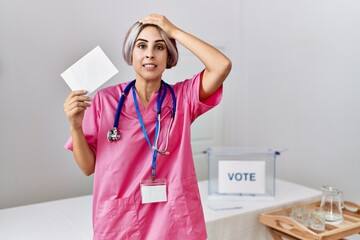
[[113, 135]]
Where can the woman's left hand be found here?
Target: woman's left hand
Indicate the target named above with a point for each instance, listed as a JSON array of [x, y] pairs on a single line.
[[162, 22], [217, 65]]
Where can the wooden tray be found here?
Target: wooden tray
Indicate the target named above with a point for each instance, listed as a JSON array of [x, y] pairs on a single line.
[[280, 221]]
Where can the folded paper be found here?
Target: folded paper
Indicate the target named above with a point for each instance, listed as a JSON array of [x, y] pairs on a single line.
[[90, 72]]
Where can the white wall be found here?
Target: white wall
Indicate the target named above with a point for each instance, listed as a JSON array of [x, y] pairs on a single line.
[[294, 84], [301, 62], [40, 39]]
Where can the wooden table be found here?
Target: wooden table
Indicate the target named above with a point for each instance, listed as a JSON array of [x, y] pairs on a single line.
[[282, 226]]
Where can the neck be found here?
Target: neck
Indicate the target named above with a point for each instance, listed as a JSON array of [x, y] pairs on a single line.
[[146, 90]]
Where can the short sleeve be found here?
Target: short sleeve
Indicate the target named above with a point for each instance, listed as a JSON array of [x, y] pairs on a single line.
[[192, 93]]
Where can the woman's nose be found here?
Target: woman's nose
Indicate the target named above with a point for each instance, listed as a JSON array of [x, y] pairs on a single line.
[[149, 54]]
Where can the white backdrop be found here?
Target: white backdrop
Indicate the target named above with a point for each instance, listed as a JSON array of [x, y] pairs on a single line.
[[38, 41], [294, 84], [301, 65]]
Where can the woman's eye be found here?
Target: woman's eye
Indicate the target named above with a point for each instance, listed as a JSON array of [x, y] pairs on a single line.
[[159, 47], [141, 46]]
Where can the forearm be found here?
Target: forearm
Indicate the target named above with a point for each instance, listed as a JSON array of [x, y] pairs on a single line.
[[212, 58], [83, 154], [217, 65]]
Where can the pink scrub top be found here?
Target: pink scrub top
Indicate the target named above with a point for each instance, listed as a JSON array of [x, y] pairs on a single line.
[[118, 212]]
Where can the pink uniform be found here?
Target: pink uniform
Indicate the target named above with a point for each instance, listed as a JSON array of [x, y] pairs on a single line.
[[120, 166]]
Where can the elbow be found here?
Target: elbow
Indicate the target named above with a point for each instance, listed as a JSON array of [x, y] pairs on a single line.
[[227, 66], [88, 172], [226, 69]]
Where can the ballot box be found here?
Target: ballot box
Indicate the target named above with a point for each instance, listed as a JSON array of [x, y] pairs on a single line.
[[241, 173]]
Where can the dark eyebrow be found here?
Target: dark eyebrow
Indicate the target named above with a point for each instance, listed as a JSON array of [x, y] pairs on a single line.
[[144, 40]]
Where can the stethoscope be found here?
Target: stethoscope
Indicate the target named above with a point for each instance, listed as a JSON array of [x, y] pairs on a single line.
[[114, 135]]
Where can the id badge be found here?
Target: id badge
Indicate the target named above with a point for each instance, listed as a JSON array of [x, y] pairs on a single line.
[[153, 191]]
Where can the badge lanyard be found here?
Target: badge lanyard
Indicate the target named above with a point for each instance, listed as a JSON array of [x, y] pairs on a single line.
[[114, 135], [160, 99]]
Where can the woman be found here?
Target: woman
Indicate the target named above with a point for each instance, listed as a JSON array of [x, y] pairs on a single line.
[[145, 184]]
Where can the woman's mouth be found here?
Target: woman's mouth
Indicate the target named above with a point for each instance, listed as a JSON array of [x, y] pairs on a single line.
[[149, 66]]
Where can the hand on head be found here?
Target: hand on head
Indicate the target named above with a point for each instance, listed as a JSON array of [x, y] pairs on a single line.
[[160, 21]]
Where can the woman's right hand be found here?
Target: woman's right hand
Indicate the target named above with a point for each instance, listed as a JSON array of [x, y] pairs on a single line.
[[74, 107]]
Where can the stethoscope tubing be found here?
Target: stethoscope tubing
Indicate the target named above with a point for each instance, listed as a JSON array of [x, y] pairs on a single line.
[[121, 102], [113, 134]]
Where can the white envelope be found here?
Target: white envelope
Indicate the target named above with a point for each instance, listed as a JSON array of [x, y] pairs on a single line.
[[90, 72]]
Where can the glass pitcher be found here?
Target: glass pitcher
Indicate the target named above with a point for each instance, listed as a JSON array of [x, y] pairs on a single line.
[[332, 204]]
